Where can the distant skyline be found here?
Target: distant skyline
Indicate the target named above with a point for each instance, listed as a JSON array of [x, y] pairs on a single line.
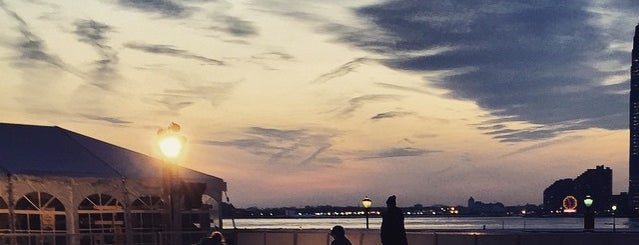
[[298, 103]]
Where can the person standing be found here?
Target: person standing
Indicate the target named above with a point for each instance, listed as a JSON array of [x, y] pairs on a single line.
[[339, 236], [392, 230]]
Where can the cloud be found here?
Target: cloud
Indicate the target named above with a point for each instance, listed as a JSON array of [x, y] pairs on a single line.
[[342, 70], [178, 99], [543, 145], [399, 152], [525, 61], [167, 8], [357, 102], [113, 120], [391, 114], [31, 48], [235, 26], [283, 146], [403, 88], [273, 55], [94, 34], [171, 51]]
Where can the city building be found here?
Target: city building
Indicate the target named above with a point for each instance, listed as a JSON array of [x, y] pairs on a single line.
[[567, 195], [633, 187], [555, 194], [597, 183], [62, 187]]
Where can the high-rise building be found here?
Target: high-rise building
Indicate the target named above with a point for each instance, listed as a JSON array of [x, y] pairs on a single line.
[[555, 194], [597, 183], [569, 193], [633, 187]]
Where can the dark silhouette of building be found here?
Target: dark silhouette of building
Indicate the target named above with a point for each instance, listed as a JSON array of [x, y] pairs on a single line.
[[598, 184], [555, 194], [485, 209], [595, 182], [633, 187]]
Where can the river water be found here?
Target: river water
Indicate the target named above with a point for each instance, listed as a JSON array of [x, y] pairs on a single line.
[[441, 223]]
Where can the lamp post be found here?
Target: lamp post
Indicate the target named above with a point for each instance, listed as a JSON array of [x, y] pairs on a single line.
[[614, 224], [367, 203], [171, 144], [589, 219]]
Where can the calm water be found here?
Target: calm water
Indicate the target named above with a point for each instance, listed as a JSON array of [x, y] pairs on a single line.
[[440, 223]]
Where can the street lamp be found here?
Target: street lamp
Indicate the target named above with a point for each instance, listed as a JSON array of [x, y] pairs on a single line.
[[614, 224], [367, 203], [171, 144], [589, 219]]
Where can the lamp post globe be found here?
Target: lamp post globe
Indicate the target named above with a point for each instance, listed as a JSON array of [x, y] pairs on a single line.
[[614, 224], [367, 203], [171, 144], [589, 219], [588, 201]]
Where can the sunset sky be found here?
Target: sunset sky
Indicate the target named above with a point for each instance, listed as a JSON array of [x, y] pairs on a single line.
[[297, 103]]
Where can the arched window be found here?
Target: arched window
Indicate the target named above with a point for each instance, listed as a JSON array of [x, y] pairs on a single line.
[[4, 216], [147, 217], [40, 213], [99, 214]]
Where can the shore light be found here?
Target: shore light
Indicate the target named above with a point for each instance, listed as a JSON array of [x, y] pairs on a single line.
[[589, 218], [614, 224], [367, 203], [588, 201], [171, 144]]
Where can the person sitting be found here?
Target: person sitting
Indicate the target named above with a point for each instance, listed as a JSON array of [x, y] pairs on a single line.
[[339, 236]]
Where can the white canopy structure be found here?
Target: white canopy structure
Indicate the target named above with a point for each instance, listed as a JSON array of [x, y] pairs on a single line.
[[73, 189]]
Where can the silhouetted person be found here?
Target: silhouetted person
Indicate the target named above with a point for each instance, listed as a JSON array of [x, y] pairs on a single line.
[[215, 238], [339, 236], [393, 232]]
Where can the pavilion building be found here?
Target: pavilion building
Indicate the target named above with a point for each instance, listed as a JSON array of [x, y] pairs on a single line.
[[62, 187]]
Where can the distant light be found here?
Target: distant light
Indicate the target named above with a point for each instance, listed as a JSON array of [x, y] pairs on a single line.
[[614, 207]]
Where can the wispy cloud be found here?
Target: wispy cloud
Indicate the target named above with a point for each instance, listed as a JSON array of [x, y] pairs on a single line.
[[112, 120], [391, 114], [171, 51], [357, 102], [399, 152], [544, 145], [94, 34], [178, 99], [403, 88], [31, 48], [283, 146], [235, 26], [166, 8], [342, 70], [273, 55]]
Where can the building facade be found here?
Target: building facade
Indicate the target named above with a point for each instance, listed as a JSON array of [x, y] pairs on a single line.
[[555, 194], [60, 187], [596, 183], [633, 187]]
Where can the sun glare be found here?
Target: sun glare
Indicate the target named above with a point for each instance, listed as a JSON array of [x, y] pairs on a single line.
[[171, 146]]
